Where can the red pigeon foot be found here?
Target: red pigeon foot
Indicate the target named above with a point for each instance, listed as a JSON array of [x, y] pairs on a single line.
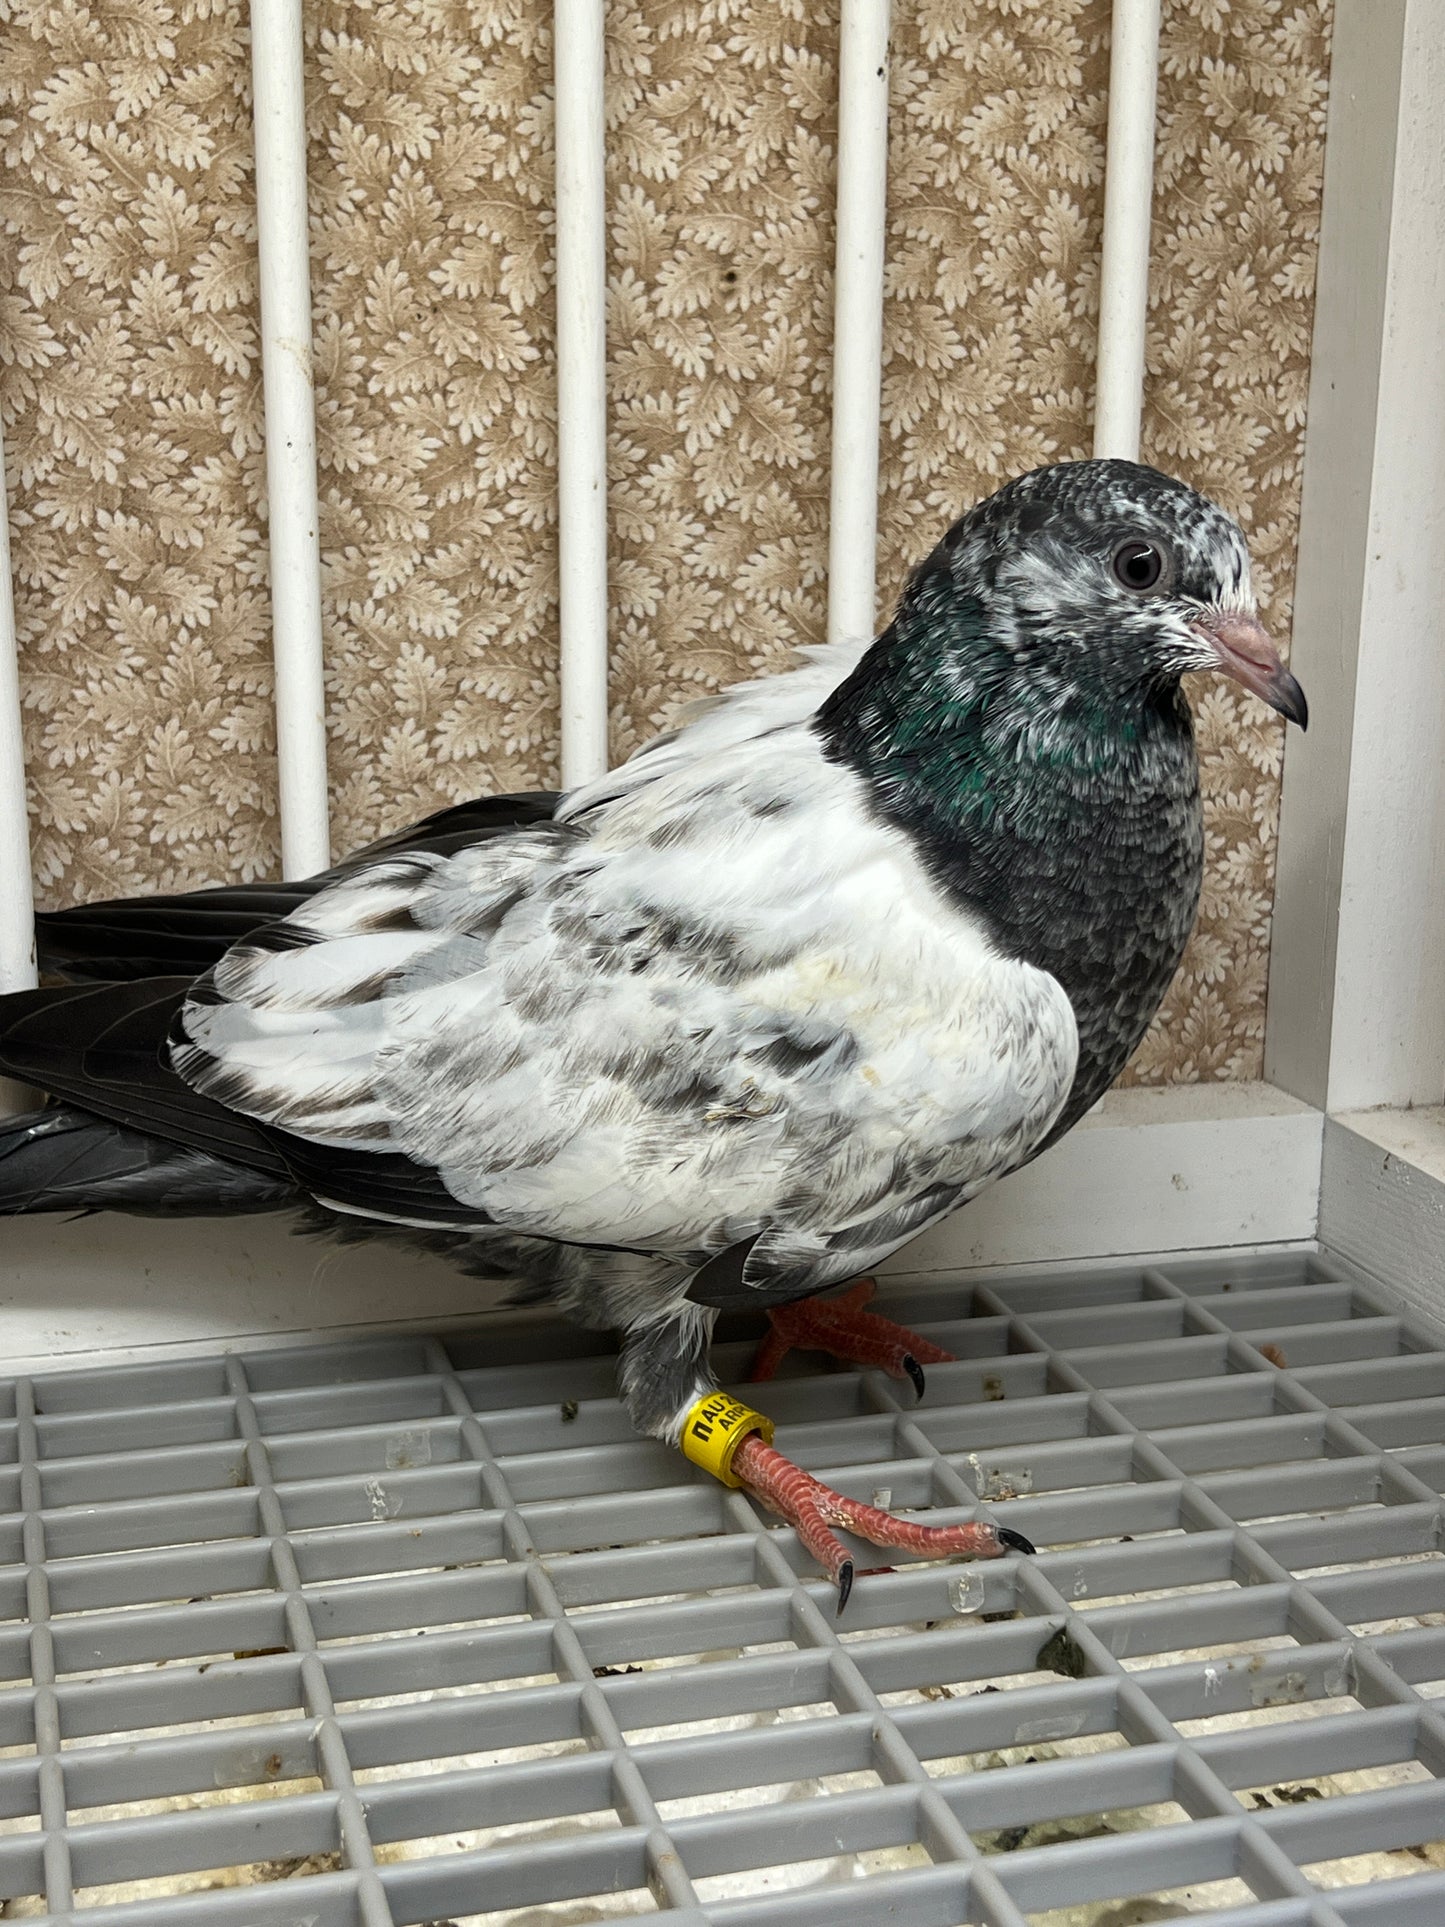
[[812, 1508], [843, 1328]]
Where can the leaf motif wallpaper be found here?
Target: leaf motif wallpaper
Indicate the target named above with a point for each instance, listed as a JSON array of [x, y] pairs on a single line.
[[131, 392]]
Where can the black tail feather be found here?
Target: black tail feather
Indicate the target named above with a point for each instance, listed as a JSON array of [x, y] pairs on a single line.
[[62, 1159], [129, 1133], [100, 1047], [136, 937]]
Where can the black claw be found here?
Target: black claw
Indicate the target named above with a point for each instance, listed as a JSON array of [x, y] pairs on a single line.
[[915, 1372], [1015, 1541], [845, 1584]]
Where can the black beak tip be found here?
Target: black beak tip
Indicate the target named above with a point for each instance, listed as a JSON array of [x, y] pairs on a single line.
[[1290, 701], [915, 1372], [1015, 1541]]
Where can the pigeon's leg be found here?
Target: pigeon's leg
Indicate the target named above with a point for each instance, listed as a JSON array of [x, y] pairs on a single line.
[[812, 1508], [734, 1443], [670, 1393], [843, 1327]]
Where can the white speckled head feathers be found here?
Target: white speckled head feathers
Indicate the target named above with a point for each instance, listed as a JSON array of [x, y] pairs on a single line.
[[1041, 557]]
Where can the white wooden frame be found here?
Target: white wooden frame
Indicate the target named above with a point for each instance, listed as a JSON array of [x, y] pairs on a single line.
[[1357, 985], [1357, 963], [1358, 907]]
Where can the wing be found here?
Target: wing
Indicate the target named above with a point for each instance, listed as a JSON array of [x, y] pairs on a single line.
[[167, 936], [100, 1047], [103, 1048], [727, 1005]]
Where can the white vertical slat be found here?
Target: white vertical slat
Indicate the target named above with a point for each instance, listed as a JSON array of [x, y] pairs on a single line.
[[1128, 199], [280, 109], [582, 387], [17, 900], [858, 317]]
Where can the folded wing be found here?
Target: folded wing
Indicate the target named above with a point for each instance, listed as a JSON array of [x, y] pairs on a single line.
[[727, 1006]]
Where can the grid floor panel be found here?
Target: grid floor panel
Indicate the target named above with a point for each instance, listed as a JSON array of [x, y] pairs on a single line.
[[412, 1630]]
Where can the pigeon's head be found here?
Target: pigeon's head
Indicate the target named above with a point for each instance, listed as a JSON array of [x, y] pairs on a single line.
[[1109, 577]]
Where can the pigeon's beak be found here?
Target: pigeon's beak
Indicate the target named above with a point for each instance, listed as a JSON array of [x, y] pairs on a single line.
[[1242, 649]]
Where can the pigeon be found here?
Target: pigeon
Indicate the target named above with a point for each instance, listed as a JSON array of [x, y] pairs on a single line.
[[726, 1027]]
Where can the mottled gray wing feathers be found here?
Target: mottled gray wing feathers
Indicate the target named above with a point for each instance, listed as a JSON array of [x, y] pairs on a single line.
[[721, 1005]]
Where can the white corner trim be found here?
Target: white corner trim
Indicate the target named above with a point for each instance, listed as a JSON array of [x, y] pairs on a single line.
[[1411, 1137], [1382, 1202]]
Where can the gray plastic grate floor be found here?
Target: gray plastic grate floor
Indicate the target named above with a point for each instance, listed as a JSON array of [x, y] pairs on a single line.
[[395, 1631]]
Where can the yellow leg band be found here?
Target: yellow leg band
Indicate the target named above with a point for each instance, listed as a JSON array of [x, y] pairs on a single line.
[[715, 1428]]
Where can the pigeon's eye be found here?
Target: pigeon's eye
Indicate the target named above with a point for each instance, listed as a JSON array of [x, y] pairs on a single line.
[[1139, 564]]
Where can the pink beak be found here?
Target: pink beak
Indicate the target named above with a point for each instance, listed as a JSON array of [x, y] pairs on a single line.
[[1244, 651]]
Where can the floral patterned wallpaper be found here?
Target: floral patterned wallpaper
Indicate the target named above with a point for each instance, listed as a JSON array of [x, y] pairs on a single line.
[[131, 396]]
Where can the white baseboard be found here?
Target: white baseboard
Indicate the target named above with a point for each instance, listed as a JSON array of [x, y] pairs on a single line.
[[1178, 1169]]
